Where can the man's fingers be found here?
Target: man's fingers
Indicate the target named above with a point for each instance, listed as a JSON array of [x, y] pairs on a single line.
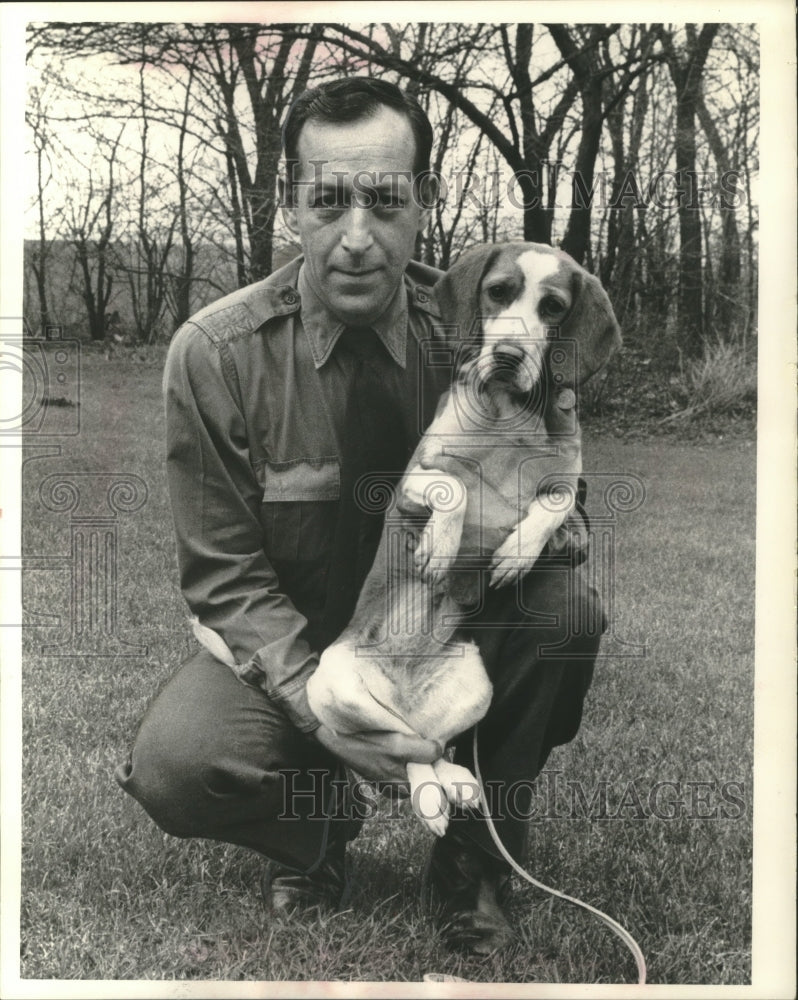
[[402, 747], [412, 748], [380, 755]]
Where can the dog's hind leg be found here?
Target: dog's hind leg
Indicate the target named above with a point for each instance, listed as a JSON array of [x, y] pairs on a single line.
[[427, 797], [433, 787], [458, 783]]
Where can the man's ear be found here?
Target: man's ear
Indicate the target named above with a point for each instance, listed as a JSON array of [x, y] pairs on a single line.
[[593, 327], [287, 206], [457, 292]]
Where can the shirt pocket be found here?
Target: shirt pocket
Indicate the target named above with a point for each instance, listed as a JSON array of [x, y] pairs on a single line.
[[299, 508]]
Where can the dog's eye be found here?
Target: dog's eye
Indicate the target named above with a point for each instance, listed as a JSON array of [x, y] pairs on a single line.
[[551, 307], [496, 292]]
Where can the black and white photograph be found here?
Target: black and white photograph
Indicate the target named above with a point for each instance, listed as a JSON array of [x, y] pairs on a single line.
[[398, 504]]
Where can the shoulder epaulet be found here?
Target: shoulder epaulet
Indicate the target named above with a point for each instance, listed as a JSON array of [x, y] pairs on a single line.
[[247, 309], [420, 280], [423, 274]]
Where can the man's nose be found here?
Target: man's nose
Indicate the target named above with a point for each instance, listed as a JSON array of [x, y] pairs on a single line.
[[357, 237]]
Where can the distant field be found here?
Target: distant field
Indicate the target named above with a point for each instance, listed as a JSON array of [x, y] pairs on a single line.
[[657, 832]]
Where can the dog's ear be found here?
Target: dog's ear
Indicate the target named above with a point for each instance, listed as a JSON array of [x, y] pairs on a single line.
[[457, 292], [591, 323]]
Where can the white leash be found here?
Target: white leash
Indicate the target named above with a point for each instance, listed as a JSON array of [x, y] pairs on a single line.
[[217, 646], [614, 926]]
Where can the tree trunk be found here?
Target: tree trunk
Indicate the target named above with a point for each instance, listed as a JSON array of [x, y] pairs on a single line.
[[182, 285], [686, 75], [726, 299], [39, 268], [576, 241], [691, 301], [584, 64], [619, 266], [269, 97], [40, 256], [537, 218]]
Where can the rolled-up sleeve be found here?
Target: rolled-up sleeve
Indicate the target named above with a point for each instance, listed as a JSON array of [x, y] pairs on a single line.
[[225, 575]]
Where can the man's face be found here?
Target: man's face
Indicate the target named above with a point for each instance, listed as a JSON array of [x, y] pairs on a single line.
[[355, 212]]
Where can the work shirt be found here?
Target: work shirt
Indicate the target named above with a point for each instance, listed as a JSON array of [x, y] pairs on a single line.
[[256, 400]]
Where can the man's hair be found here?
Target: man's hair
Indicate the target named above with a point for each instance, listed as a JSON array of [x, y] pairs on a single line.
[[352, 99]]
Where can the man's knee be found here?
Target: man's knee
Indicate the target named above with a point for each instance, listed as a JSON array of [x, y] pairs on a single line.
[[185, 759], [210, 756], [169, 778]]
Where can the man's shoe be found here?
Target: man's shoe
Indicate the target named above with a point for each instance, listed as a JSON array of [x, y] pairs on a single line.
[[471, 887], [326, 888]]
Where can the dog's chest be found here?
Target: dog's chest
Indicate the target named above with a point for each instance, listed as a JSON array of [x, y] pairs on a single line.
[[501, 475]]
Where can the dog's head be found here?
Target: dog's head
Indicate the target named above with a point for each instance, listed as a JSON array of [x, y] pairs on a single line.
[[514, 302]]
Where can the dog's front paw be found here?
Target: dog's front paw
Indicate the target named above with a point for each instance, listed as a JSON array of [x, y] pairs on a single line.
[[515, 557], [432, 808], [423, 555], [435, 553]]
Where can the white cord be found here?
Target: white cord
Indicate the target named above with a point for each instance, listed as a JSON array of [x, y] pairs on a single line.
[[614, 926]]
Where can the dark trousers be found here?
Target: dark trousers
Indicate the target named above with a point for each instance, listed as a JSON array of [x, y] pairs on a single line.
[[215, 758]]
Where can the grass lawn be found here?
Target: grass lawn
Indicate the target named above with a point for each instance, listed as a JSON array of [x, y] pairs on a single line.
[[657, 832]]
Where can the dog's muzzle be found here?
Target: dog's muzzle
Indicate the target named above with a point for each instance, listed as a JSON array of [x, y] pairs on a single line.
[[509, 365]]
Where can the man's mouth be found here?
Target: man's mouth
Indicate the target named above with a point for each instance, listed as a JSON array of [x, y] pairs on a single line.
[[364, 272]]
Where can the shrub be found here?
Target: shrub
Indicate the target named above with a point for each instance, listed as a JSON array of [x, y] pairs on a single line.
[[721, 383]]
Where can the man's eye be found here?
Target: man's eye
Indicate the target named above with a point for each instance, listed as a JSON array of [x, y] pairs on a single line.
[[390, 201], [551, 307], [326, 213], [329, 197], [496, 293]]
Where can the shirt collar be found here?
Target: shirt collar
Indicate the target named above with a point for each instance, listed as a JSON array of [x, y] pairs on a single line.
[[324, 329]]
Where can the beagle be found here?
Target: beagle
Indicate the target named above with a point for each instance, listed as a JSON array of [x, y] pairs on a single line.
[[491, 482]]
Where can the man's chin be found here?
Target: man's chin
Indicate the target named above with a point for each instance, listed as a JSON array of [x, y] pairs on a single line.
[[359, 309]]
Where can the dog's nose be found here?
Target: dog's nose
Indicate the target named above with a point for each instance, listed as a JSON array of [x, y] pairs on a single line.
[[507, 353]]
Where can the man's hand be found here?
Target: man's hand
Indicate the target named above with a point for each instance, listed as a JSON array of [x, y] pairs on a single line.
[[381, 756]]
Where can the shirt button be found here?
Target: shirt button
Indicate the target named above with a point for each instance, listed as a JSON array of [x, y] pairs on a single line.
[[422, 295], [290, 297]]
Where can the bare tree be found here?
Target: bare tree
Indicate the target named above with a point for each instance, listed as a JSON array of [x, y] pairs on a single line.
[[523, 142], [604, 75], [583, 56], [727, 112], [89, 220], [686, 64], [506, 108], [273, 70], [180, 291], [625, 132], [515, 101], [37, 119], [271, 64], [149, 248]]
